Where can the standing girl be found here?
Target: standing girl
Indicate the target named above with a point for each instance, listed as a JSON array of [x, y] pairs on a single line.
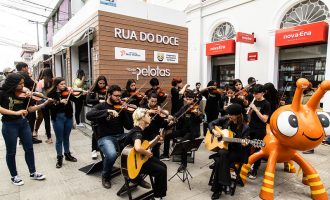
[[45, 82], [61, 116], [15, 125]]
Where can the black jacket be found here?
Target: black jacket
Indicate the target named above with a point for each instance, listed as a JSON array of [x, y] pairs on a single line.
[[113, 126]]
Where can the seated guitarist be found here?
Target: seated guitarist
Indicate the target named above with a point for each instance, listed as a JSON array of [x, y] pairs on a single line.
[[235, 153], [153, 166]]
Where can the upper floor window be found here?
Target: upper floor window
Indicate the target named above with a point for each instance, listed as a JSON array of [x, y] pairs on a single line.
[[305, 12], [224, 31]]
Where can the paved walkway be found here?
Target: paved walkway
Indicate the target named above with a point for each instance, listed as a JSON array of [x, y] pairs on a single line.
[[70, 183]]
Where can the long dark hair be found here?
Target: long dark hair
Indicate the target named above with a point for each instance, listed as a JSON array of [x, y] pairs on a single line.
[[48, 78], [237, 81], [272, 96], [56, 81], [128, 84], [95, 86], [11, 83], [80, 74]]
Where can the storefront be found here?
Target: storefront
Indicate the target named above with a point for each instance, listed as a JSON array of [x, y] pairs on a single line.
[[261, 56], [222, 60], [121, 42], [302, 53]]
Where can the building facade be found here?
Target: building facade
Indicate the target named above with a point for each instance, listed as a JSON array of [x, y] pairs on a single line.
[[273, 41]]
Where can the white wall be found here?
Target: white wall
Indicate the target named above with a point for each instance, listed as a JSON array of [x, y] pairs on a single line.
[[76, 5]]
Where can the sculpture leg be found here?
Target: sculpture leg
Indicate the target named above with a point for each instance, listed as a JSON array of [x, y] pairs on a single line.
[[246, 167], [318, 192], [289, 167], [267, 189]]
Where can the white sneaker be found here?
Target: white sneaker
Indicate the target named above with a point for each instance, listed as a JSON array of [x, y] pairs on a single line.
[[80, 125], [37, 176], [94, 155], [16, 180]]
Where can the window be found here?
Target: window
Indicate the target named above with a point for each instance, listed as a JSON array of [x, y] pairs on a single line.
[[306, 12], [224, 31]]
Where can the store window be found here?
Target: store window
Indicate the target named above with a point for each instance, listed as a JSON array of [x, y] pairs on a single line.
[[306, 62], [306, 12], [224, 31]]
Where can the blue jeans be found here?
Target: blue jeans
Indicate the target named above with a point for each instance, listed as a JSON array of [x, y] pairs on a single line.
[[109, 146], [62, 128], [10, 131]]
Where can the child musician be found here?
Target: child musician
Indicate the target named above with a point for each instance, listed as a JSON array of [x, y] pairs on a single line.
[[259, 110], [153, 167], [235, 153], [188, 126]]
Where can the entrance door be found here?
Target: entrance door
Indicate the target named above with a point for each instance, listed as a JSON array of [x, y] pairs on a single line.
[[223, 69]]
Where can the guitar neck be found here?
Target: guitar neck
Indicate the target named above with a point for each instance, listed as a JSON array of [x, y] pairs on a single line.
[[233, 140]]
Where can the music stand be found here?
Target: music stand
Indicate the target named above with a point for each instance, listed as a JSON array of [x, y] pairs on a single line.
[[184, 147]]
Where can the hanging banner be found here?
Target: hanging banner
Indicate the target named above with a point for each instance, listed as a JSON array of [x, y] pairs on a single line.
[[244, 38]]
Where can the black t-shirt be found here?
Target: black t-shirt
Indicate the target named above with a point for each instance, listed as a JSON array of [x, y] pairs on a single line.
[[265, 109], [213, 101], [135, 133], [95, 97], [58, 107], [10, 102], [177, 102]]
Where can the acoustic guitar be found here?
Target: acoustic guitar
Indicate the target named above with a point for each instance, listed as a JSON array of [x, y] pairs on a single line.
[[132, 161], [213, 143]]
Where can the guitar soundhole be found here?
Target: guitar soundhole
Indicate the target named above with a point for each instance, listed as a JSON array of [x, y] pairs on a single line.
[[135, 161]]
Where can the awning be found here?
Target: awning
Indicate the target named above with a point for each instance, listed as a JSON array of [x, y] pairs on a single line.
[[77, 40]]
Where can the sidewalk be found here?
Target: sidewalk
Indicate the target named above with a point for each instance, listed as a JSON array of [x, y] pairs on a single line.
[[70, 183]]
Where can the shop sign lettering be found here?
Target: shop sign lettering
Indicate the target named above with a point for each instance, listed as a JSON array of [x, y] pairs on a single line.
[[296, 35], [149, 71], [146, 37]]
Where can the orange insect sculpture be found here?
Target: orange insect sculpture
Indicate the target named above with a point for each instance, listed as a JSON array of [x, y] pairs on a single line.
[[294, 127]]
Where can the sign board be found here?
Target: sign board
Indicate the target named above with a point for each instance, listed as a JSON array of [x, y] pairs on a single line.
[[244, 38], [130, 54], [221, 47], [166, 57], [252, 56], [304, 34]]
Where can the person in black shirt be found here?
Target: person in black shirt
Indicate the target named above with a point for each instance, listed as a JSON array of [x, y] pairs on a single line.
[[213, 103], [259, 111], [236, 153], [131, 90], [153, 167], [110, 129], [188, 127], [97, 94], [176, 97], [158, 121], [230, 98], [161, 95], [15, 125], [272, 96], [197, 92], [23, 69], [61, 117]]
